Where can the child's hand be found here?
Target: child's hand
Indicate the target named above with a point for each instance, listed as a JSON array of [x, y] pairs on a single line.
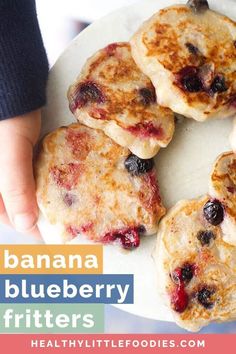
[[17, 188]]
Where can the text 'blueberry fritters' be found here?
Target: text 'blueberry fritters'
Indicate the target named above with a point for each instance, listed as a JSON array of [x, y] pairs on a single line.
[[196, 269], [88, 185], [112, 94], [189, 53]]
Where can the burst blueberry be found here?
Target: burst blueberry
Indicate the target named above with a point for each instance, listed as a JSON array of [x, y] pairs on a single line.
[[204, 297], [87, 91], [189, 79], [205, 237], [148, 96], [191, 48], [192, 83], [183, 274], [218, 85]]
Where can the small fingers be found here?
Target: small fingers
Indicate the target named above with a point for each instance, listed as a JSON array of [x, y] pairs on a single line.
[[17, 185], [4, 219]]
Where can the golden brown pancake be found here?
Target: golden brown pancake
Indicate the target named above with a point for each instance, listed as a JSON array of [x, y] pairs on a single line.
[[112, 94], [189, 53], [196, 269], [88, 185]]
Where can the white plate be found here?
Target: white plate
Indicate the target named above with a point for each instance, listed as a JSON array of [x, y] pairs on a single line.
[[183, 168]]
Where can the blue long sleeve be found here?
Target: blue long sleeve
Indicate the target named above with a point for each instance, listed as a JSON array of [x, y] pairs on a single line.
[[23, 60]]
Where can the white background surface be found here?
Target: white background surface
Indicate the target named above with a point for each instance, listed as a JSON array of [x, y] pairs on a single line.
[[59, 19]]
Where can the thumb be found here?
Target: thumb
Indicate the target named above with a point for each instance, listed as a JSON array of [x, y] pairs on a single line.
[[17, 183]]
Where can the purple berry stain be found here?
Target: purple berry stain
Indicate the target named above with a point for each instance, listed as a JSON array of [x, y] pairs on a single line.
[[86, 92]]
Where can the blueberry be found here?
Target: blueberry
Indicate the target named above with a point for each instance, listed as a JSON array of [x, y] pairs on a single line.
[[148, 96], [90, 91], [198, 5], [192, 84], [213, 212], [189, 79], [87, 91], [184, 273], [187, 272], [204, 297], [218, 85], [192, 49], [136, 166], [205, 237], [141, 229]]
